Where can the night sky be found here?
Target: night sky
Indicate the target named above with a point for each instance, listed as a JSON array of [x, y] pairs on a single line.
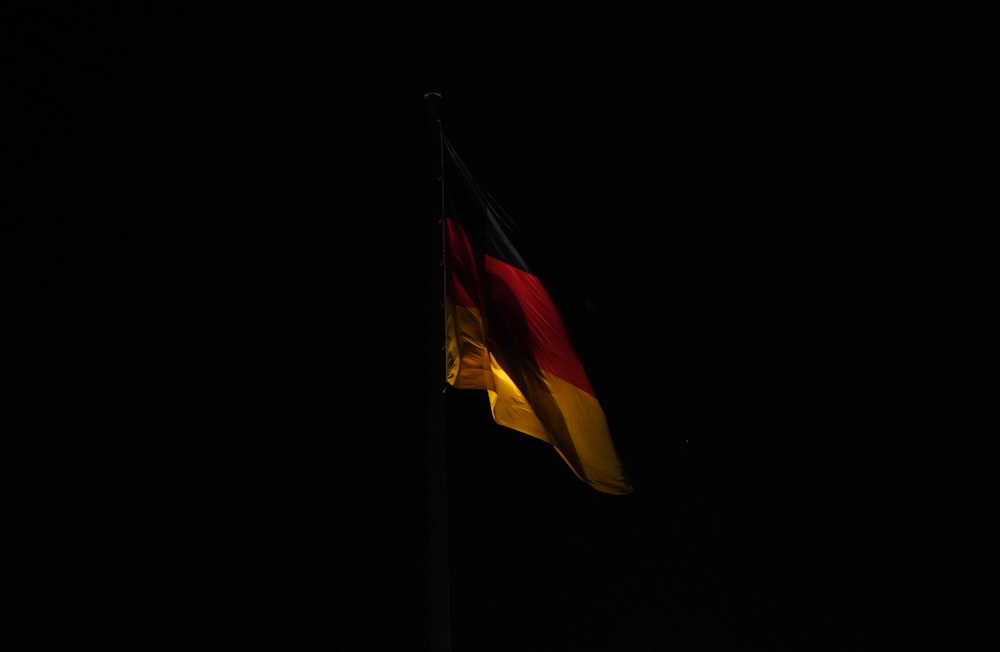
[[755, 226]]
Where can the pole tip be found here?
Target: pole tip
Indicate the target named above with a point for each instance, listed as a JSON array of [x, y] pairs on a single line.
[[433, 103]]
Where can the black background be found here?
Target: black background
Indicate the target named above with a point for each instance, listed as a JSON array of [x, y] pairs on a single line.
[[759, 227]]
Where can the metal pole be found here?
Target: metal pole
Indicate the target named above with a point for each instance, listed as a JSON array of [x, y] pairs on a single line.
[[437, 450]]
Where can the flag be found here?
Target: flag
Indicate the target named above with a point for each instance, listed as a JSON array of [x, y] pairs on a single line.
[[505, 335]]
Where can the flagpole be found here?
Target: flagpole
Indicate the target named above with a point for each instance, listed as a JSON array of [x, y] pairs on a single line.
[[439, 580]]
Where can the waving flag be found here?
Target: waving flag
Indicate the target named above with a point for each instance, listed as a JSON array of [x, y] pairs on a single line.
[[505, 335]]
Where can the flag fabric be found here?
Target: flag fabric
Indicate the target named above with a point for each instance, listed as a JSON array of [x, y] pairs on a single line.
[[505, 335]]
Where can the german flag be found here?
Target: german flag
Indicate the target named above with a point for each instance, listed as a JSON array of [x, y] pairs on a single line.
[[505, 335]]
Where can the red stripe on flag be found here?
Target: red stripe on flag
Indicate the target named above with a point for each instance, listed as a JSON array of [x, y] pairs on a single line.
[[461, 265], [550, 343], [513, 291]]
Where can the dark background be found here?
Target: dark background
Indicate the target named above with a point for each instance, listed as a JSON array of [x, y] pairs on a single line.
[[760, 230]]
